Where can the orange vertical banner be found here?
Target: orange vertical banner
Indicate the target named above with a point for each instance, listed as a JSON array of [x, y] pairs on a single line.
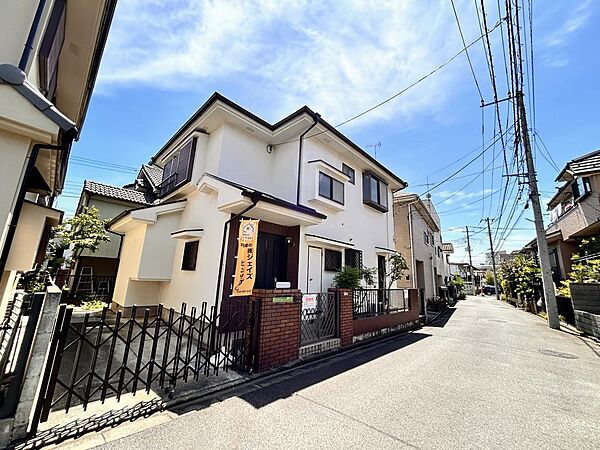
[[245, 265]]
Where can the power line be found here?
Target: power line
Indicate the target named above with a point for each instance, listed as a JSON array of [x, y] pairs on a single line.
[[462, 37], [397, 94]]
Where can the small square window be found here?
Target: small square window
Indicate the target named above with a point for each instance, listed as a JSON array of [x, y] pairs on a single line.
[[350, 172], [190, 255], [333, 260], [331, 189]]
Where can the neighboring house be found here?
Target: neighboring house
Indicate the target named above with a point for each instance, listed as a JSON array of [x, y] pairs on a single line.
[[500, 256], [418, 238], [95, 273], [50, 52], [322, 201], [574, 212]]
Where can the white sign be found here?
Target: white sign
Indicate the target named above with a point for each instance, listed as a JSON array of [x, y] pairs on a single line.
[[309, 301], [283, 285]]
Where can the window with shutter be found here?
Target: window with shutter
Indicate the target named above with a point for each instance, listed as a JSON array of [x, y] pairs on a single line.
[[50, 49], [178, 170]]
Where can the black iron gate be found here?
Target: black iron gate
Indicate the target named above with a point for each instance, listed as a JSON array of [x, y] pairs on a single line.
[[104, 355], [318, 317]]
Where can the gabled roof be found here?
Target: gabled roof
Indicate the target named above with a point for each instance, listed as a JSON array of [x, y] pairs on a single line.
[[216, 97], [153, 173], [406, 198], [118, 193], [587, 163]]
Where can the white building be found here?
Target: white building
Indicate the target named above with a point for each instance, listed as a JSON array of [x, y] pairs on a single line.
[[323, 203], [50, 52]]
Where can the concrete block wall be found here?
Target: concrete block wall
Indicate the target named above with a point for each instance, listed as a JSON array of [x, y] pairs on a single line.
[[586, 297], [588, 323], [277, 327]]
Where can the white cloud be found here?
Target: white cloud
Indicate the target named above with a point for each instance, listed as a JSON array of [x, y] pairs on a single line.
[[339, 58], [574, 20], [450, 197]]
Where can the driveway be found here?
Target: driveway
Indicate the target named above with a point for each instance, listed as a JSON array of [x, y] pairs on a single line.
[[488, 376]]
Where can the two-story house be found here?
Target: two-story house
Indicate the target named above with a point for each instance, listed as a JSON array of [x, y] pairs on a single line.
[[322, 201], [50, 52], [418, 238], [574, 211]]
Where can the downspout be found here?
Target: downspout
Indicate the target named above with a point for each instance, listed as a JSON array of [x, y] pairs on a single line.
[[12, 228], [316, 118], [32, 32], [256, 197]]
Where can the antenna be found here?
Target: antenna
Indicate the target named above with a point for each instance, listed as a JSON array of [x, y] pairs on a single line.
[[375, 147]]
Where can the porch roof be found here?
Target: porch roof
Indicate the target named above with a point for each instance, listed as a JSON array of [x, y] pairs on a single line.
[[268, 198]]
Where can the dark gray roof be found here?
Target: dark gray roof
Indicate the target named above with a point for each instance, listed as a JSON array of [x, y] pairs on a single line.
[[118, 193], [587, 163], [15, 77], [154, 174]]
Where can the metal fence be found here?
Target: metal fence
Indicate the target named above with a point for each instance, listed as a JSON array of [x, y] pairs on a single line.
[[108, 355], [318, 317], [375, 302]]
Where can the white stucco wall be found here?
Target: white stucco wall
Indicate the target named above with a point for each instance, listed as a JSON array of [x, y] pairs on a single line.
[[197, 286], [133, 243], [159, 248]]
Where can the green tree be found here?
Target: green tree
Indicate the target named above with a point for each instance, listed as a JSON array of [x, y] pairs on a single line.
[[85, 230], [396, 267], [488, 278], [518, 276], [348, 278]]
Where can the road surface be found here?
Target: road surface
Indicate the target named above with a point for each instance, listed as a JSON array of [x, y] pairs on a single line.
[[491, 376]]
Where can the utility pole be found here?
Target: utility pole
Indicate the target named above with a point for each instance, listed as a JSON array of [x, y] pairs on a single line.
[[493, 259], [470, 259], [540, 232]]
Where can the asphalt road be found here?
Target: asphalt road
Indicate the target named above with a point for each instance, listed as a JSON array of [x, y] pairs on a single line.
[[490, 377]]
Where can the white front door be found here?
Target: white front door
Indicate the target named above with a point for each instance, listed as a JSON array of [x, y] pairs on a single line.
[[315, 270]]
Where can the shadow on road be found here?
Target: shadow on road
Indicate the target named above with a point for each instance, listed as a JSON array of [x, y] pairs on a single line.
[[441, 320], [301, 378]]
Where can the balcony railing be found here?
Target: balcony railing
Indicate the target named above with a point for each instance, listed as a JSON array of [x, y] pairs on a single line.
[[376, 302]]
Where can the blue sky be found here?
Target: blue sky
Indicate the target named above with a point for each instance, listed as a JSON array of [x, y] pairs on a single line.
[[164, 58]]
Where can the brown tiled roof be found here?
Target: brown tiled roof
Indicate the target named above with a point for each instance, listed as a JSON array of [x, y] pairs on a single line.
[[118, 193]]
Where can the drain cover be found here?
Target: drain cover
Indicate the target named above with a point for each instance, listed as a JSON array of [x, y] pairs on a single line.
[[548, 352]]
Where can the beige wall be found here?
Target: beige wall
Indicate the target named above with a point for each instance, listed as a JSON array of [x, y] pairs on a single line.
[[27, 238], [129, 265]]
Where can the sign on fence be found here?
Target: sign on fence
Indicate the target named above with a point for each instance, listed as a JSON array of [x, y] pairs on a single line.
[[309, 301]]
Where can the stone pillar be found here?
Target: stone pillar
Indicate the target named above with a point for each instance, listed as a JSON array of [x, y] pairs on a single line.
[[413, 299], [345, 316], [277, 327]]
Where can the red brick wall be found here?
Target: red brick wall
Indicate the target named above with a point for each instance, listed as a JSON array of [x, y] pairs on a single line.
[[350, 327], [277, 328], [345, 323]]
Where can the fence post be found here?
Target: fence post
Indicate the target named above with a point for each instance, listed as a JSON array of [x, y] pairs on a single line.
[[38, 357], [345, 316]]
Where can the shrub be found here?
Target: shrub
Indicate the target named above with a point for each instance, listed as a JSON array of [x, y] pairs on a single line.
[[348, 278]]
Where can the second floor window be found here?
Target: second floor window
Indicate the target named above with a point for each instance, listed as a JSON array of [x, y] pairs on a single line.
[[50, 48], [331, 189], [581, 187], [375, 192], [178, 169], [350, 172]]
